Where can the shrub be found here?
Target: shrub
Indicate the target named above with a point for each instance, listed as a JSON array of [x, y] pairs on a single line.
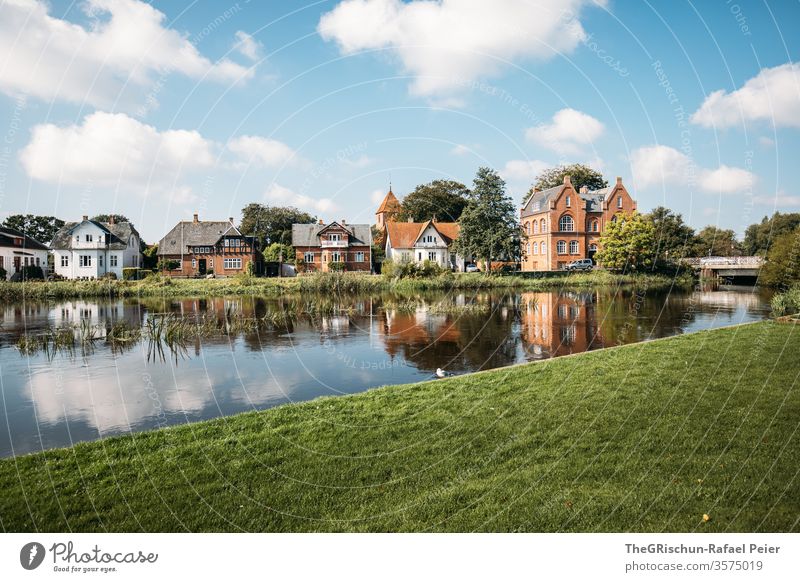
[[786, 303], [336, 266], [3, 274], [131, 273], [168, 264], [110, 275], [32, 272]]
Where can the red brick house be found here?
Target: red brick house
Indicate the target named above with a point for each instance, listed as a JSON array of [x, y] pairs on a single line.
[[201, 247], [322, 247], [561, 225]]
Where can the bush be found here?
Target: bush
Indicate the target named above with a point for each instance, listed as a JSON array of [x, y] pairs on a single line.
[[168, 264], [410, 270], [786, 303], [110, 275], [3, 274], [32, 272], [336, 266], [132, 273]]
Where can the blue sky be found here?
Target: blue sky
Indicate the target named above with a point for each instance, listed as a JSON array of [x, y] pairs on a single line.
[[157, 111]]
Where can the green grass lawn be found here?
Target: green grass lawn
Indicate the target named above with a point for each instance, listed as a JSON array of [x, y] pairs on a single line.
[[645, 437]]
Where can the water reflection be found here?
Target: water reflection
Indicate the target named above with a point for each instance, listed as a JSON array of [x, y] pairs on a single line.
[[299, 349]]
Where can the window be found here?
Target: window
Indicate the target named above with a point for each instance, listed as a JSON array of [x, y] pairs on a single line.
[[88, 238], [537, 205], [595, 226], [542, 225], [573, 247], [614, 218], [528, 248], [336, 257], [308, 257], [334, 237], [593, 248], [528, 228], [100, 260], [37, 261], [132, 241], [535, 248], [113, 260], [543, 250], [569, 202], [431, 256], [64, 261], [194, 263], [535, 227], [85, 260], [360, 257], [566, 224], [210, 263], [619, 201], [419, 256], [561, 247], [233, 263]]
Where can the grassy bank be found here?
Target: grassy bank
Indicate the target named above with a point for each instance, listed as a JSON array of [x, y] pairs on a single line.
[[645, 437], [322, 283]]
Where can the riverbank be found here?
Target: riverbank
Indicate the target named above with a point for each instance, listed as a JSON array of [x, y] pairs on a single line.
[[325, 283], [645, 437]]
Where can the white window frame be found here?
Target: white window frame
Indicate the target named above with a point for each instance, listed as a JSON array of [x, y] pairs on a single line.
[[561, 247], [561, 222], [308, 257], [85, 261], [360, 257], [112, 260], [574, 247], [65, 260], [232, 264]]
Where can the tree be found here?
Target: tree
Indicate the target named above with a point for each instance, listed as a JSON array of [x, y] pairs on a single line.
[[716, 242], [150, 257], [489, 226], [444, 199], [279, 252], [783, 261], [628, 243], [272, 224], [580, 175], [758, 238], [673, 237], [41, 228], [108, 217]]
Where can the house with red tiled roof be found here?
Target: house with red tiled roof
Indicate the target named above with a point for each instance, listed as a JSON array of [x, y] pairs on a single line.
[[423, 241]]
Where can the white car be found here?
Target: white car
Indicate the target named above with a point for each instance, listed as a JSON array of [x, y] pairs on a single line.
[[472, 268], [580, 265]]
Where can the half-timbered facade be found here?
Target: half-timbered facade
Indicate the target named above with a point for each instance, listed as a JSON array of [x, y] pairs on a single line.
[[330, 247]]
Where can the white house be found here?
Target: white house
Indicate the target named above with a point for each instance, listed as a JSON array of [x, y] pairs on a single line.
[[18, 251], [89, 249], [423, 241]]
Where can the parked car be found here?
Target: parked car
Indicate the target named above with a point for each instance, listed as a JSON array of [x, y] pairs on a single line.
[[580, 265], [472, 268]]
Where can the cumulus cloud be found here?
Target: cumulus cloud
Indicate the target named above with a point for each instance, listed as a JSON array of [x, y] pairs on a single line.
[[773, 95], [278, 194], [247, 46], [522, 170], [112, 149], [663, 165], [570, 131], [262, 150], [125, 47], [447, 45]]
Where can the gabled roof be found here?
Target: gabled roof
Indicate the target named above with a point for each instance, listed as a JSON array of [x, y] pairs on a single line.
[[390, 203], [118, 234], [189, 233], [334, 224], [307, 235], [403, 235], [543, 197], [7, 236]]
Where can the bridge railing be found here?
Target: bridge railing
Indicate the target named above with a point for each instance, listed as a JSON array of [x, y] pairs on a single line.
[[722, 261]]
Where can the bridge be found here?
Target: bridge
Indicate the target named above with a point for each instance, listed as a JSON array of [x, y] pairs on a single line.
[[725, 267]]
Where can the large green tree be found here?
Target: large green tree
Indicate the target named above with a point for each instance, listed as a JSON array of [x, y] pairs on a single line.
[[712, 241], [444, 199], [628, 243], [673, 237], [758, 238], [41, 228], [782, 268], [489, 228], [279, 252], [272, 224], [580, 175], [108, 217]]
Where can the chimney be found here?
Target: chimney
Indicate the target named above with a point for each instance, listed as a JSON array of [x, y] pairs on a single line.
[[344, 223], [111, 220], [195, 218], [86, 217], [567, 181], [320, 222], [584, 189], [230, 219], [619, 180]]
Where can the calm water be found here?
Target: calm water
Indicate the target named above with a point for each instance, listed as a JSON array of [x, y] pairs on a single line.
[[53, 400]]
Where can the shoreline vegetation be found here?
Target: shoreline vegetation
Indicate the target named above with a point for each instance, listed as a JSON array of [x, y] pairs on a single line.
[[338, 283], [646, 437]]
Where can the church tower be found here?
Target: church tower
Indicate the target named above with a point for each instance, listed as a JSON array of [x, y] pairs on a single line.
[[388, 210]]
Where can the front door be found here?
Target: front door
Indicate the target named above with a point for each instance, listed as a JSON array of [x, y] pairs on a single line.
[[17, 264], [201, 266]]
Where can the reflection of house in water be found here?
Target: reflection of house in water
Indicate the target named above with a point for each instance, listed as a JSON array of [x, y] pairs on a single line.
[[557, 324], [413, 334]]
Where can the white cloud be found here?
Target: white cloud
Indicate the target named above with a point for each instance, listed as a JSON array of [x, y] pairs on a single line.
[[570, 131], [125, 47], [377, 196], [446, 45], [779, 200], [461, 150], [279, 194], [773, 95], [726, 180], [262, 150], [663, 165], [359, 162], [247, 46], [112, 149], [522, 170]]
